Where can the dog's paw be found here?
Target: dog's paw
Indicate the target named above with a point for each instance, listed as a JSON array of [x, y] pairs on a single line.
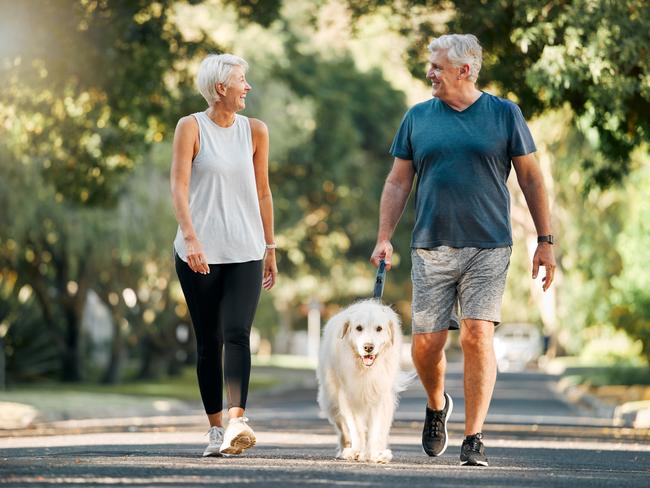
[[348, 454], [382, 457]]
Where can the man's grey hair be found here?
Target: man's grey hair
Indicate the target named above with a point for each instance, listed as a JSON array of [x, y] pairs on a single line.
[[461, 49], [214, 69]]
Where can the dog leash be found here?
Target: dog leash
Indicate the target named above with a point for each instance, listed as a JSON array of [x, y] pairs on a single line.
[[379, 281]]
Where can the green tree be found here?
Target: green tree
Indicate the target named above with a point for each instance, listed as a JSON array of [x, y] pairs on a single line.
[[630, 297], [587, 221], [49, 250], [329, 181], [30, 350], [88, 86], [589, 55], [136, 276]]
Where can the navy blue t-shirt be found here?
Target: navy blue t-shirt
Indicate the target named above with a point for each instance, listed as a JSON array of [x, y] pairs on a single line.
[[462, 161]]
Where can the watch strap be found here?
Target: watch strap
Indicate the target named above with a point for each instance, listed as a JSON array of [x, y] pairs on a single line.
[[548, 238]]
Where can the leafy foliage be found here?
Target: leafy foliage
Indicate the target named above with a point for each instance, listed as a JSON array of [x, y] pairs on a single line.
[[90, 86], [590, 55], [87, 87], [630, 299], [335, 175]]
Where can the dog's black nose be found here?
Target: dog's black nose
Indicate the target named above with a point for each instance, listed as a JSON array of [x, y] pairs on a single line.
[[368, 348]]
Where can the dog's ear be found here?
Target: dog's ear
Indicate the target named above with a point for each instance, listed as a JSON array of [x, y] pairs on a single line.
[[391, 331], [345, 329]]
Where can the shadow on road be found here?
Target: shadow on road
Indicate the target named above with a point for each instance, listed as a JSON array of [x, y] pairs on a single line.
[[292, 465]]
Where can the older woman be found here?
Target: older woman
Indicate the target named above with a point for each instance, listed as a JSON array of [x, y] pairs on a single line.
[[224, 248]]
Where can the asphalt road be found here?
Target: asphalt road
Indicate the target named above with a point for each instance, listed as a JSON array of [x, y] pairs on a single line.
[[533, 438]]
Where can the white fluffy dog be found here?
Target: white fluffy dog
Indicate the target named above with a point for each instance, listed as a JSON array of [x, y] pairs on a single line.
[[359, 378]]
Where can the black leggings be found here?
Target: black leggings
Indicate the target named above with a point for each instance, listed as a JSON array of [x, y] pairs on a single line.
[[222, 306]]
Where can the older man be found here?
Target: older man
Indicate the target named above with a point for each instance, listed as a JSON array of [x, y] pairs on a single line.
[[461, 145]]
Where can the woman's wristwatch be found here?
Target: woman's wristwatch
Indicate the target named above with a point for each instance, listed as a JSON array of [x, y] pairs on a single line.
[[271, 246]]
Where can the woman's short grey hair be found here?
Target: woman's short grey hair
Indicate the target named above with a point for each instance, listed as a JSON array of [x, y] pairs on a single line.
[[214, 69], [461, 49]]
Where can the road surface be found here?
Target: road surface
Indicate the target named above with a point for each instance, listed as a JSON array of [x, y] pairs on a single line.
[[533, 439]]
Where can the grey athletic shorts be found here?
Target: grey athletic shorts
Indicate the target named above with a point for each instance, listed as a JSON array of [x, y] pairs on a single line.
[[446, 279]]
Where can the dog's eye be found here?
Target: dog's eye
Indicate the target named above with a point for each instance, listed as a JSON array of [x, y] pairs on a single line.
[[379, 328], [359, 328]]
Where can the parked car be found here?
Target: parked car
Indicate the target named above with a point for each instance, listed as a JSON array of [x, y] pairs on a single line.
[[517, 345]]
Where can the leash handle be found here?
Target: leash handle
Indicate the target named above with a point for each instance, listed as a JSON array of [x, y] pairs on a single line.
[[379, 281]]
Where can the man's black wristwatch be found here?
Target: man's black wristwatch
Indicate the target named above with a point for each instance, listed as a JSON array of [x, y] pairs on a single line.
[[548, 238]]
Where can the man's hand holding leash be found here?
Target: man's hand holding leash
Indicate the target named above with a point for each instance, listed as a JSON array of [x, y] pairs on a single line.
[[383, 250]]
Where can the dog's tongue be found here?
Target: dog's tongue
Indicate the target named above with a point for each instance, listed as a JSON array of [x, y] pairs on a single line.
[[368, 360]]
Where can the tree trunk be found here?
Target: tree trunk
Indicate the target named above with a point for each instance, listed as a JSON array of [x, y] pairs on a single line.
[[153, 365], [282, 341], [113, 373], [71, 371]]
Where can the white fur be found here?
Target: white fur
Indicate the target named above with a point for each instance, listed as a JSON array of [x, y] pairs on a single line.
[[360, 400]]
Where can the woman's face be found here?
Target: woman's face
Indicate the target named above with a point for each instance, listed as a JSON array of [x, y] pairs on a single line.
[[235, 90]]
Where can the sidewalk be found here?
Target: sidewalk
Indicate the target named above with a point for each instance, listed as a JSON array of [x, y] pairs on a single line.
[[45, 413], [51, 412], [626, 405]]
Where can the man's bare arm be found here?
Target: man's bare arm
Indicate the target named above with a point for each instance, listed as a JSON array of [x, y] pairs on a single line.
[[531, 182], [393, 201]]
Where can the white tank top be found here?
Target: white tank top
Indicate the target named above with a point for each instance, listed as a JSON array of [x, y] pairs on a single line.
[[224, 207]]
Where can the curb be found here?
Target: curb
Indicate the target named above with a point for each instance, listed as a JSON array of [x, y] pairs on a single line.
[[23, 421], [633, 414], [95, 426], [579, 394]]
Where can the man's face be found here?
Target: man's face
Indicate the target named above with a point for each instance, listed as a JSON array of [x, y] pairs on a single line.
[[443, 76]]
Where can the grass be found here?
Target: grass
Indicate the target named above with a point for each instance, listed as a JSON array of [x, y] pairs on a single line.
[[182, 387], [167, 396], [601, 372], [610, 375], [288, 361]]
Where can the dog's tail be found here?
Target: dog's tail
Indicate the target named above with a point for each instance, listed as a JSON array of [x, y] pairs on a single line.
[[404, 380]]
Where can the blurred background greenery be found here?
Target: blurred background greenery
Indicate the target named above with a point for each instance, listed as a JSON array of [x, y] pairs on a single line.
[[91, 92]]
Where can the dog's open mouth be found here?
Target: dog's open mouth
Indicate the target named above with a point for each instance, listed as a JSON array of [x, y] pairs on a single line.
[[368, 359]]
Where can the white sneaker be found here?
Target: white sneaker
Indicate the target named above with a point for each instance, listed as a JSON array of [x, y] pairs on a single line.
[[238, 437], [216, 439]]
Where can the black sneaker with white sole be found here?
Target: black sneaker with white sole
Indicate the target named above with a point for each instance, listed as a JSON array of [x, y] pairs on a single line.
[[434, 434], [472, 452]]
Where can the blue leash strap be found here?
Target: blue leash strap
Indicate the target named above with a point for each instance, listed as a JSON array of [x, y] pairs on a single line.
[[379, 281]]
